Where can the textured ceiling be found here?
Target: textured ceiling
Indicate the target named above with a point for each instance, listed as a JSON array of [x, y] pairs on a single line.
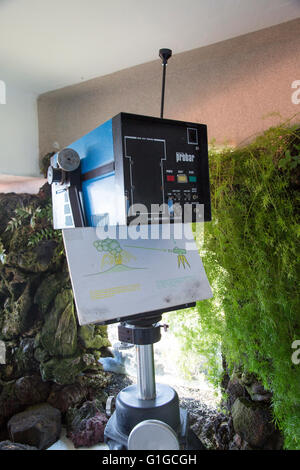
[[46, 45]]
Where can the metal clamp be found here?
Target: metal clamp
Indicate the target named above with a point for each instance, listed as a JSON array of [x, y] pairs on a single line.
[[139, 335]]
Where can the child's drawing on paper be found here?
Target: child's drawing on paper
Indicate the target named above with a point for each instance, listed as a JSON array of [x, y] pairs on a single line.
[[113, 255]]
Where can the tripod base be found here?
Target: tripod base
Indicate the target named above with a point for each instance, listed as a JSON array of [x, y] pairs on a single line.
[[130, 411]]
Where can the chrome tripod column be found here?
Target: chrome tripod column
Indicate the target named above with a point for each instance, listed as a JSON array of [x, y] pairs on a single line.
[[145, 404], [145, 372]]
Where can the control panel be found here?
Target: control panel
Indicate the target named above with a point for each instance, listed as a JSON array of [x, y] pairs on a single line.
[[166, 162]]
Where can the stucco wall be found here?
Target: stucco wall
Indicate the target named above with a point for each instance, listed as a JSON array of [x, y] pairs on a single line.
[[19, 133], [231, 86]]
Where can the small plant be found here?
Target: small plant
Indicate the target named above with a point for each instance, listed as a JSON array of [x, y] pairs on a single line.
[[39, 221], [43, 234], [22, 215], [290, 162]]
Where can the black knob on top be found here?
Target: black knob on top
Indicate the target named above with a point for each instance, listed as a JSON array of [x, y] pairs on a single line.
[[165, 55]]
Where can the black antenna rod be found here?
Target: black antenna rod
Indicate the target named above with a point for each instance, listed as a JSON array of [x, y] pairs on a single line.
[[165, 55]]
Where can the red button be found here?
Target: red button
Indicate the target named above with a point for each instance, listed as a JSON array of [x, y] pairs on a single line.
[[170, 177]]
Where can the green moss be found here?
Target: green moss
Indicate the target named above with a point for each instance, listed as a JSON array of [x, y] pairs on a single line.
[[47, 291], [41, 355], [59, 333], [250, 254], [65, 370], [93, 338], [33, 244], [16, 315], [95, 382]]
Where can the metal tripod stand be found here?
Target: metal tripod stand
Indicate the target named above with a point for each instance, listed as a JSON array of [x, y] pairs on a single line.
[[147, 415]]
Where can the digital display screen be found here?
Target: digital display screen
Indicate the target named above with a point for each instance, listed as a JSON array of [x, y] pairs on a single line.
[[181, 178]]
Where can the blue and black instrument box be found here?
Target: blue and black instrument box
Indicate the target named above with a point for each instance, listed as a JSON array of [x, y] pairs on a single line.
[[132, 165]]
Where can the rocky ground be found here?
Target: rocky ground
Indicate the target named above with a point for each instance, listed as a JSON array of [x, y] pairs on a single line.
[[244, 424], [200, 413]]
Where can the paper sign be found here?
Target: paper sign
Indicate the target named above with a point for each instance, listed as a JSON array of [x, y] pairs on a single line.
[[114, 278]]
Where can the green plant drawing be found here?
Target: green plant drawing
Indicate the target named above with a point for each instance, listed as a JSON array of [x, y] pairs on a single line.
[[113, 255]]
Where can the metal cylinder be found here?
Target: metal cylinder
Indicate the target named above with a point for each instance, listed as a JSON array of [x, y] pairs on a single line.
[[145, 372]]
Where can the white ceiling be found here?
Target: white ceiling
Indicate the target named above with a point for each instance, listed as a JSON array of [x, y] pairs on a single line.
[[48, 44]]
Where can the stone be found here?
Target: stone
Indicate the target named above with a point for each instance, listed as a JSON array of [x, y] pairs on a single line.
[[15, 281], [246, 378], [275, 442], [90, 432], [258, 393], [38, 426], [252, 421], [4, 293], [64, 371], [8, 445], [24, 357], [92, 338], [234, 390], [66, 332], [224, 433], [2, 352], [47, 291], [9, 404], [41, 355], [236, 443], [41, 345], [76, 415], [36, 259], [245, 446], [65, 397], [210, 428], [94, 382], [8, 370], [16, 315], [19, 359], [59, 333], [31, 390]]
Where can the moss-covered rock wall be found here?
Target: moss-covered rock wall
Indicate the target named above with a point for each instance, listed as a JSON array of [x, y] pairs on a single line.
[[45, 354]]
